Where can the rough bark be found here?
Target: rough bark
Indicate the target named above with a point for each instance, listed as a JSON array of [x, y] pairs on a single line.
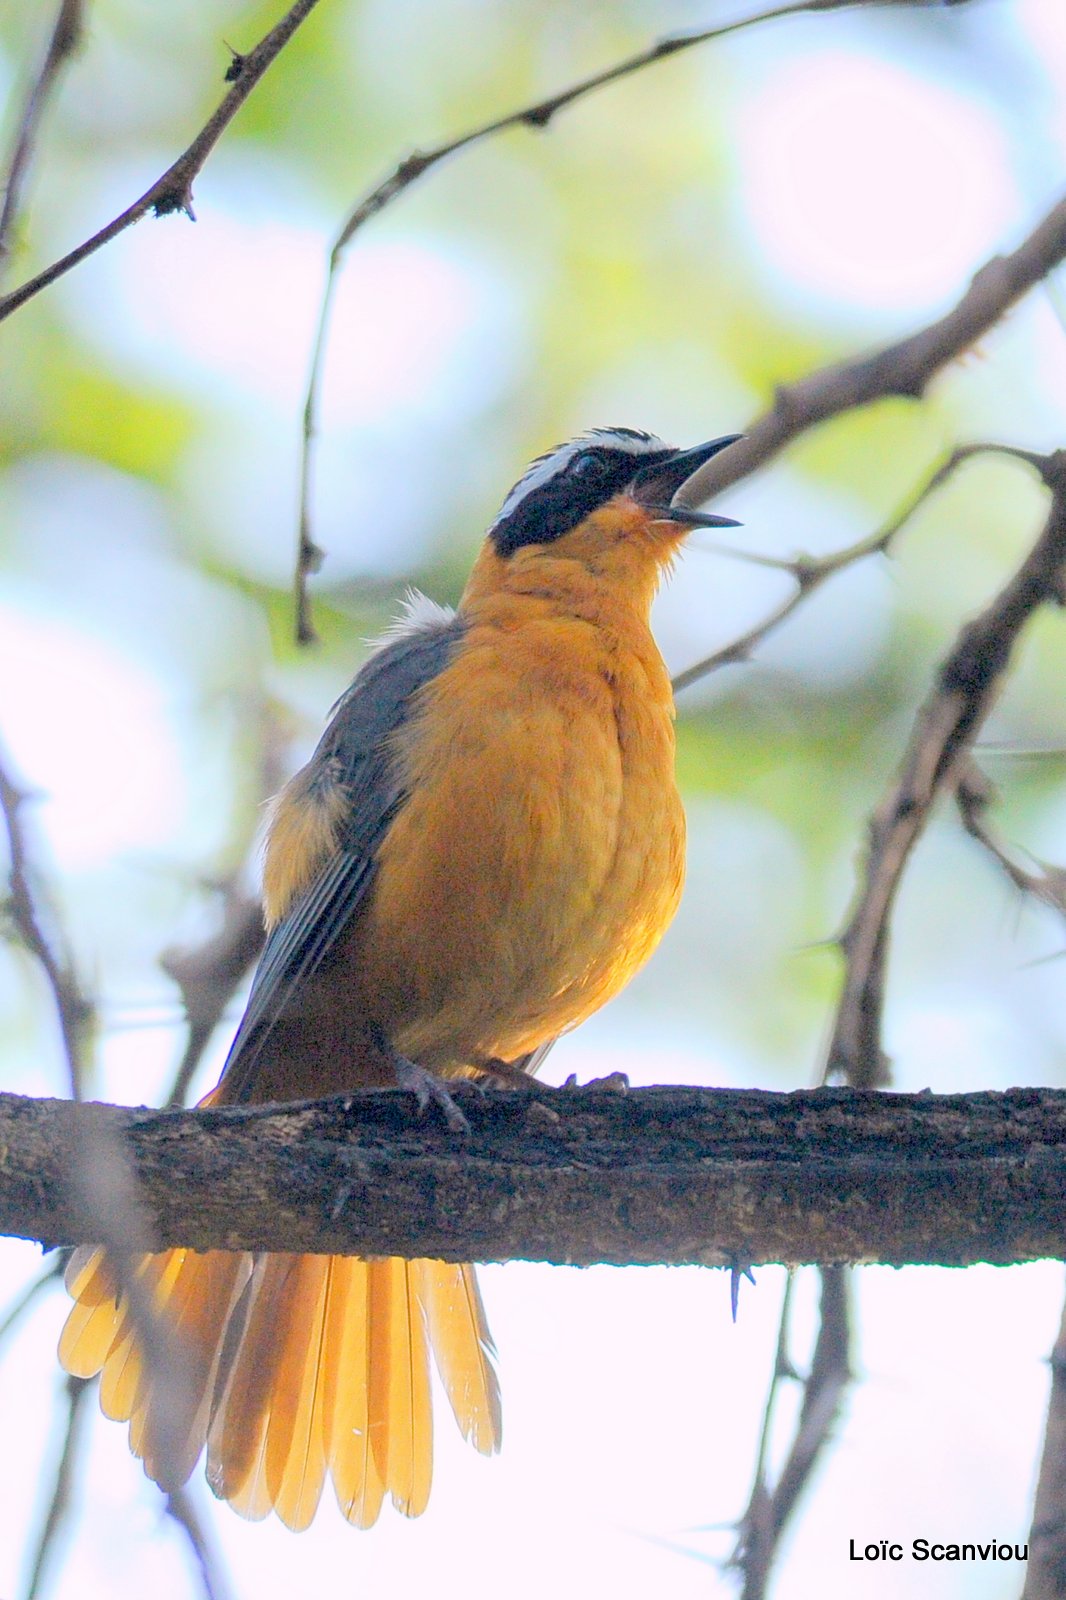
[[720, 1177]]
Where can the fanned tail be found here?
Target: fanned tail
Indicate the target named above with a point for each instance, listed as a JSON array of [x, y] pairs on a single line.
[[464, 1351], [299, 1366]]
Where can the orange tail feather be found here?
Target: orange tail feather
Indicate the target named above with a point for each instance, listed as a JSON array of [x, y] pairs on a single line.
[[301, 1366]]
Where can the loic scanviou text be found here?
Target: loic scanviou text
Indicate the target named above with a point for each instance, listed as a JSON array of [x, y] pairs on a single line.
[[937, 1550]]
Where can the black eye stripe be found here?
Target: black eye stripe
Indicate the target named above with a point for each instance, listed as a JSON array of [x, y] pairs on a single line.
[[591, 464], [558, 500]]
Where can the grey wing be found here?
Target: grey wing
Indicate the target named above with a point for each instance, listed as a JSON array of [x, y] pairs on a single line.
[[534, 1059], [354, 753]]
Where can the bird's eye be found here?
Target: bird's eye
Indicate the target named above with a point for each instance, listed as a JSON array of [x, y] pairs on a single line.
[[590, 466]]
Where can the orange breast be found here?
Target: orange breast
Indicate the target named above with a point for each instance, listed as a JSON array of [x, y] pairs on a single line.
[[540, 856]]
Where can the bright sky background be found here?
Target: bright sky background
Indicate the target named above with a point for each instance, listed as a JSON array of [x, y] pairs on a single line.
[[631, 1402]]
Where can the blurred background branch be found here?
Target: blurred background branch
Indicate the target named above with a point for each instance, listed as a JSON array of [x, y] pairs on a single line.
[[965, 688], [1045, 1577], [536, 116], [94, 1170], [35, 926], [172, 191], [903, 370], [771, 1507], [63, 41]]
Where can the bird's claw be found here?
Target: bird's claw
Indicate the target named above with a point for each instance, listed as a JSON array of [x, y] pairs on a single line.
[[616, 1081], [427, 1088], [739, 1268]]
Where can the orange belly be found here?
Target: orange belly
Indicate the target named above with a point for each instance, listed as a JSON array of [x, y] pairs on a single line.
[[539, 858]]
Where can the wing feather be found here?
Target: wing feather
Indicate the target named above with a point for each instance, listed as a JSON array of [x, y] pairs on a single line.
[[353, 762]]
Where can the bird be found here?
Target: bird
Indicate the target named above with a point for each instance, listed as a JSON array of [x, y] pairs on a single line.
[[486, 844]]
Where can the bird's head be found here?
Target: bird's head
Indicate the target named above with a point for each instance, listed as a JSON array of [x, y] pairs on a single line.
[[603, 500]]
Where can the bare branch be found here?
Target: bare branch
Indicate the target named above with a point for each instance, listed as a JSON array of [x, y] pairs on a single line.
[[180, 1509], [30, 915], [65, 38], [98, 1179], [209, 974], [902, 370], [173, 190], [755, 1526], [809, 572], [571, 1176], [768, 1514], [414, 166], [59, 1505], [974, 794], [1045, 1577], [822, 1395], [945, 728], [29, 1296]]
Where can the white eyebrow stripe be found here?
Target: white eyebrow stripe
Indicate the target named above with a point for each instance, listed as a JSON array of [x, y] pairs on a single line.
[[542, 471]]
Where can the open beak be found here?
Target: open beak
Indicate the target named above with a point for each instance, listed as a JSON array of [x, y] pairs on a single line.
[[655, 486]]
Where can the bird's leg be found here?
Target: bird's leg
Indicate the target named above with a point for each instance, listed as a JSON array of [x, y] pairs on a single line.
[[422, 1083]]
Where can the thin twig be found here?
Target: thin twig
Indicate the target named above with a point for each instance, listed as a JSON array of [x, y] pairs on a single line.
[[28, 909], [96, 1169], [809, 573], [23, 1302], [943, 735], [903, 370], [66, 36], [754, 1528], [59, 1505], [209, 976], [414, 166], [180, 1509], [768, 1513], [173, 190], [1045, 1577], [105, 1184], [974, 794]]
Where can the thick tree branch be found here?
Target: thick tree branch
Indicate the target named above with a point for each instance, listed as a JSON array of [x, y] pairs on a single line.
[[571, 1176]]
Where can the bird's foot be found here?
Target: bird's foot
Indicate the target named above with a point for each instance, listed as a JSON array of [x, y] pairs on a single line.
[[427, 1088]]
